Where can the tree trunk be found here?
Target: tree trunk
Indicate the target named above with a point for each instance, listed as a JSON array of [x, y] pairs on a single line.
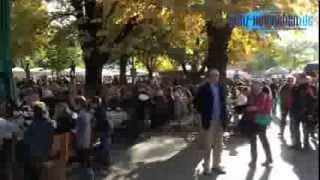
[[86, 13], [93, 78], [26, 68], [150, 74], [28, 73], [218, 38], [123, 69]]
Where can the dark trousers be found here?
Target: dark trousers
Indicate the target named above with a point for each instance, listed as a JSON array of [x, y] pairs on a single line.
[[84, 156], [307, 127], [283, 121], [265, 143], [33, 170], [103, 154]]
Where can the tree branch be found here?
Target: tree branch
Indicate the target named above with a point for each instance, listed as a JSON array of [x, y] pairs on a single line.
[[77, 5], [112, 9], [59, 15], [184, 68], [126, 30]]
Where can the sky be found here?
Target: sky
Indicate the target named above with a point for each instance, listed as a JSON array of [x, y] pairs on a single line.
[[52, 6]]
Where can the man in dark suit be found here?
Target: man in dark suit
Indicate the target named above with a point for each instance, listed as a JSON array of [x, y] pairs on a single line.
[[211, 104]]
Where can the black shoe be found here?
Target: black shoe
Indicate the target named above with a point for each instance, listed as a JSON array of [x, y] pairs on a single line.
[[219, 170]]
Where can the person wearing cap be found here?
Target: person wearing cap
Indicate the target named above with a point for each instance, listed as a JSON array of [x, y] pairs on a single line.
[[210, 102], [286, 100], [38, 139], [259, 102]]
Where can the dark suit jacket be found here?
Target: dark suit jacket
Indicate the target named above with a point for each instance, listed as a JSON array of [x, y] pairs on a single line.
[[204, 104]]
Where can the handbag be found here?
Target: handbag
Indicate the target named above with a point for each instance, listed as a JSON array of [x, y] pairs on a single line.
[[263, 119]]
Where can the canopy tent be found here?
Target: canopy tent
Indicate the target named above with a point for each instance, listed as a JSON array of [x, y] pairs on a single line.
[[116, 72], [18, 73], [277, 71], [38, 72], [312, 67], [78, 71]]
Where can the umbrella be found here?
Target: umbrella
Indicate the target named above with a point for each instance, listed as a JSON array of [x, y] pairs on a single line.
[[312, 67], [277, 71]]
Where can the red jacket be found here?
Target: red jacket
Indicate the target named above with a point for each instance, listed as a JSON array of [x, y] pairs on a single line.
[[263, 102]]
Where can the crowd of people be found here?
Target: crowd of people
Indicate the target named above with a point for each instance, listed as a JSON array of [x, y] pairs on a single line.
[[254, 106], [57, 121]]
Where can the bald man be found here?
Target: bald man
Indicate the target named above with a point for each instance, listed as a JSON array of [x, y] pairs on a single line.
[[210, 102]]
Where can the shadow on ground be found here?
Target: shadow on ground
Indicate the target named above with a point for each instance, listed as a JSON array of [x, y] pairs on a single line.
[[179, 159]]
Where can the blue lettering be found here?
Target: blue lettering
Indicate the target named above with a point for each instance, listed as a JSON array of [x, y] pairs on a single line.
[[305, 21], [310, 21]]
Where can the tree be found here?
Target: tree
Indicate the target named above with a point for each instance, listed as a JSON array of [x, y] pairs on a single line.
[[151, 46], [29, 31], [103, 26], [296, 51], [110, 28], [188, 44], [219, 32], [60, 58]]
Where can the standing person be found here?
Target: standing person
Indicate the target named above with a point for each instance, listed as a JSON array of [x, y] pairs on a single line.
[[274, 86], [159, 110], [286, 100], [178, 104], [140, 113], [210, 102], [65, 123], [302, 109], [259, 103], [83, 131], [38, 139], [103, 130]]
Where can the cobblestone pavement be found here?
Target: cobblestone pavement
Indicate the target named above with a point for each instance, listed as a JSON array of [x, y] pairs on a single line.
[[176, 156]]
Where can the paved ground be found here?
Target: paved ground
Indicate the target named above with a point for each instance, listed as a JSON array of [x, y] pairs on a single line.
[[175, 156]]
